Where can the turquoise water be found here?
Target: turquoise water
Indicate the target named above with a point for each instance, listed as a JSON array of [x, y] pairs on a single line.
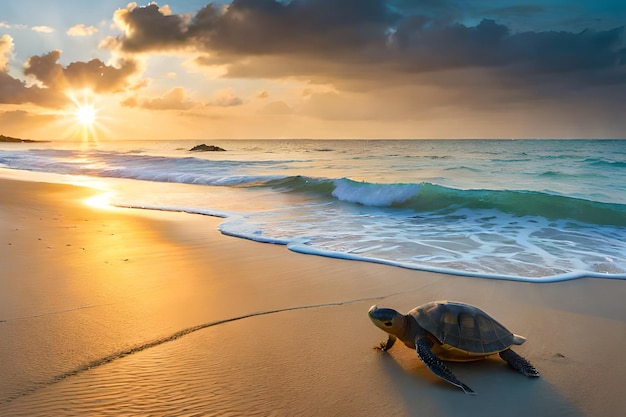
[[536, 210]]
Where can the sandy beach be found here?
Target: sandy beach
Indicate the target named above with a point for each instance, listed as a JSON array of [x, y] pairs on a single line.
[[109, 311]]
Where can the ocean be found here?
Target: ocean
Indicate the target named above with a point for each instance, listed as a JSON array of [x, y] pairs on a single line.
[[526, 210]]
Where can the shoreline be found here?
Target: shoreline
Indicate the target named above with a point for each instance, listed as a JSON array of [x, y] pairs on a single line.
[[538, 232], [99, 293]]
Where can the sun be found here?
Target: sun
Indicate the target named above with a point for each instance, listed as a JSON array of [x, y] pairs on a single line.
[[86, 114], [83, 115]]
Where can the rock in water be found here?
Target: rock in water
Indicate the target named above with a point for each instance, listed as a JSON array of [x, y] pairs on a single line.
[[206, 148]]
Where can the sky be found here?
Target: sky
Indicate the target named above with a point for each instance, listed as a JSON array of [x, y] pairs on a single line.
[[327, 69]]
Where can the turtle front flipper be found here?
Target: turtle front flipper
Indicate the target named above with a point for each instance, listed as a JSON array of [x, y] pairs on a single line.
[[423, 347], [519, 363], [385, 346]]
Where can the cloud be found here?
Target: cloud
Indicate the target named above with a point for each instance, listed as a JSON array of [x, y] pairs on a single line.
[[251, 26], [363, 59], [6, 50], [15, 120], [226, 98], [42, 29], [518, 10], [492, 45], [343, 41], [5, 25], [95, 74], [45, 69], [82, 30], [12, 90], [101, 78], [53, 79], [276, 108], [148, 29], [175, 99]]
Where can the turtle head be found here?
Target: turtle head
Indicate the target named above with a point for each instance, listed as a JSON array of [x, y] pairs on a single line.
[[388, 320]]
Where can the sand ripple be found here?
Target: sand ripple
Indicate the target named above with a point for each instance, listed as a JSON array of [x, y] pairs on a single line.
[[225, 370]]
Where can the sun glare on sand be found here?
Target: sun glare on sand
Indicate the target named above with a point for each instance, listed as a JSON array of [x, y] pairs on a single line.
[[101, 196]]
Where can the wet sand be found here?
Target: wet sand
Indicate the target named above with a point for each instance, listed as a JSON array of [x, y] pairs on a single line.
[[130, 312]]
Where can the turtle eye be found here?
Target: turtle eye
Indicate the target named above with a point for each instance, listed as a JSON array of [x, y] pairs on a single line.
[[387, 323]]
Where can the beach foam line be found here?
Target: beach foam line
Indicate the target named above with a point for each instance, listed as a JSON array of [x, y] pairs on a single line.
[[174, 336], [230, 227], [303, 248]]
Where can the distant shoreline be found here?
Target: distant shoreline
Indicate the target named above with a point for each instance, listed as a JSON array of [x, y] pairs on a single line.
[[18, 140]]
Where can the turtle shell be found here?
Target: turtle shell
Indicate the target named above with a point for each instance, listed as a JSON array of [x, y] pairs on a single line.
[[463, 327]]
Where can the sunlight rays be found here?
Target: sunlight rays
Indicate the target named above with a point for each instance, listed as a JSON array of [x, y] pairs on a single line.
[[86, 115], [83, 116]]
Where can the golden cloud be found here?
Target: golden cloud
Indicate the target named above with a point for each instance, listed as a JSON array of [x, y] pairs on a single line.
[[82, 30]]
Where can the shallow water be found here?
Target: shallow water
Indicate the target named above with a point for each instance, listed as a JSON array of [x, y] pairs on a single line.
[[536, 210]]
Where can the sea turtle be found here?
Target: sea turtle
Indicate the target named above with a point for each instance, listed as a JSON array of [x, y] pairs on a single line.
[[451, 331]]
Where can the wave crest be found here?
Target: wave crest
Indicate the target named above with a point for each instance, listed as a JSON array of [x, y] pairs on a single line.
[[427, 197], [375, 195]]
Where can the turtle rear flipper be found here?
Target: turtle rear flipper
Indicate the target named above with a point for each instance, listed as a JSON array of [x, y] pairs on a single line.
[[518, 363], [423, 347]]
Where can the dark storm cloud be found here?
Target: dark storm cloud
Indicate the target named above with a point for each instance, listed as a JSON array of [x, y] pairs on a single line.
[[151, 28], [490, 44], [366, 39], [563, 51], [517, 10], [258, 27], [302, 27]]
